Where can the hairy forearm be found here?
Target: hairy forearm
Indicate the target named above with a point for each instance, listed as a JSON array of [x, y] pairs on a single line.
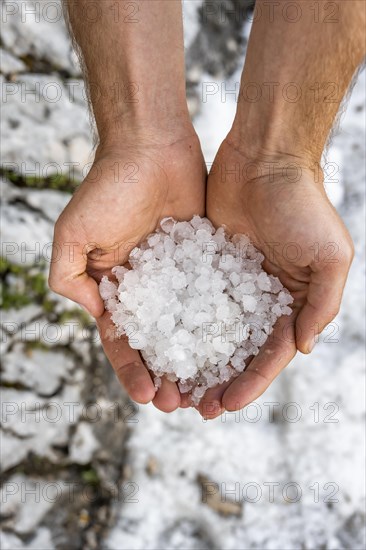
[[133, 57], [300, 61]]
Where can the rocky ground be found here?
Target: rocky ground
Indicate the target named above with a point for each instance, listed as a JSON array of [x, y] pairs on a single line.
[[82, 467]]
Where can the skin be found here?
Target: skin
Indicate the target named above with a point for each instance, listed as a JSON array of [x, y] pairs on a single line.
[[266, 180], [276, 194]]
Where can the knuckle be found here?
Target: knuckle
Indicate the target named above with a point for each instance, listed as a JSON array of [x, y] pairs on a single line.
[[332, 313], [120, 373], [59, 224], [348, 254], [65, 224], [125, 372], [55, 284]]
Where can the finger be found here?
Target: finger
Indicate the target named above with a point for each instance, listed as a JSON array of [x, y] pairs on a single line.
[[68, 275], [272, 358], [167, 398], [322, 305], [185, 400], [126, 362], [210, 405]]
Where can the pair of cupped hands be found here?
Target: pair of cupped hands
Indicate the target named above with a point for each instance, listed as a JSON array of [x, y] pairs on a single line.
[[278, 201]]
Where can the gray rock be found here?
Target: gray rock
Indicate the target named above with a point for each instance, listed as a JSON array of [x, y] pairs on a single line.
[[219, 44], [191, 24]]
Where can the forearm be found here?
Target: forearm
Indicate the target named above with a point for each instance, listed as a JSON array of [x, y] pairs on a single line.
[[134, 62], [296, 74]]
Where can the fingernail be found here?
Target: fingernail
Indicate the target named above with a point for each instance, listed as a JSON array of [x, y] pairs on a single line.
[[212, 409]]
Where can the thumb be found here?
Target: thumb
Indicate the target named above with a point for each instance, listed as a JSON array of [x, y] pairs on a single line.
[[68, 275], [323, 302]]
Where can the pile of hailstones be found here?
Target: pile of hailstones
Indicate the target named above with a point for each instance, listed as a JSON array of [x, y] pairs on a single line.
[[196, 304]]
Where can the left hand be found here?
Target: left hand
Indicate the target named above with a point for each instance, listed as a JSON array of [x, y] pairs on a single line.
[[305, 243]]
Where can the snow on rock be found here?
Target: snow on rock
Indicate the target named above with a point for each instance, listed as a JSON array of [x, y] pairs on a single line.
[[32, 240], [31, 148], [9, 541], [11, 64], [38, 28], [83, 444], [37, 424], [41, 370], [24, 500], [33, 213], [13, 450], [12, 319]]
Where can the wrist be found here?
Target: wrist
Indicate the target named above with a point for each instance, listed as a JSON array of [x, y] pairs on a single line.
[[128, 109], [168, 147], [136, 129], [276, 152], [247, 163], [270, 137]]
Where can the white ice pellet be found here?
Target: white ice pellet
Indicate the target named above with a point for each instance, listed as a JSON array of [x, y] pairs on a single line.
[[166, 323], [157, 382], [264, 282], [200, 303], [249, 303]]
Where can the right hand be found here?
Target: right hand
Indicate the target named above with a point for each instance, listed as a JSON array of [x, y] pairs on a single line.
[[111, 213]]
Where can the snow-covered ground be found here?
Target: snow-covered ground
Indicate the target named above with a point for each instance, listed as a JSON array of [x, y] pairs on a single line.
[[285, 473]]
